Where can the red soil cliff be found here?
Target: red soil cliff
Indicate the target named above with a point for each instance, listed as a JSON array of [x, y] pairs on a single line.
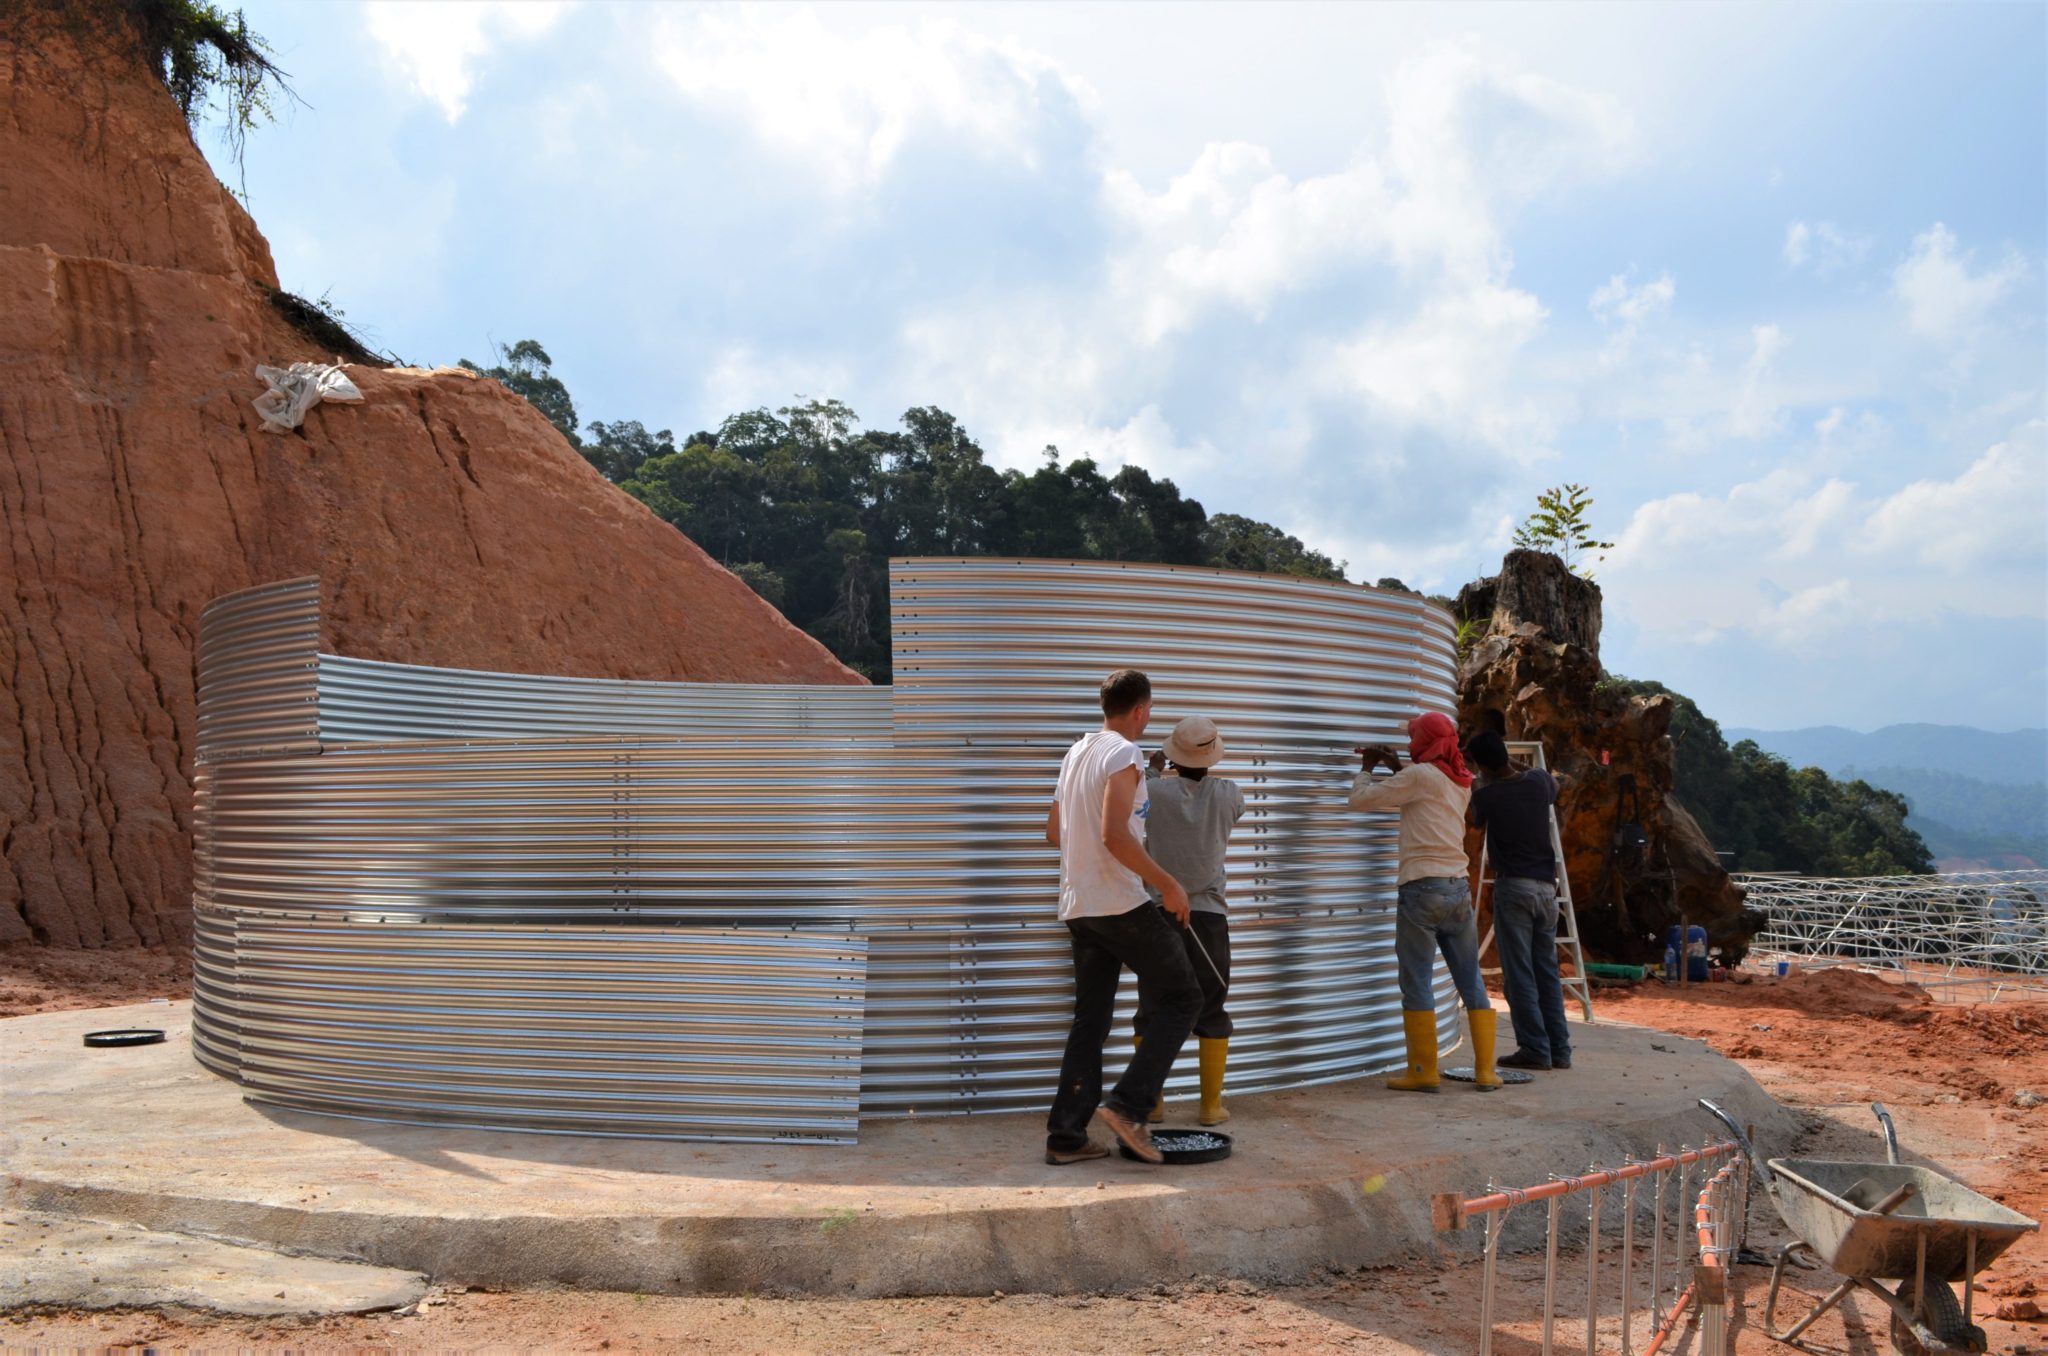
[[449, 522]]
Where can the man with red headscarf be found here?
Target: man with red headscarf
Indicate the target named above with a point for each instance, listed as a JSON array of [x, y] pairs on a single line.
[[1434, 912]]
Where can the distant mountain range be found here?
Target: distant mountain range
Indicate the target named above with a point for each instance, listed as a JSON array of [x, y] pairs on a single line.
[[1978, 797], [2019, 758]]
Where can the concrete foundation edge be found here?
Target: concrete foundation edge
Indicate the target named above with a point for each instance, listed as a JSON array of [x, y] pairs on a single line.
[[1271, 1234]]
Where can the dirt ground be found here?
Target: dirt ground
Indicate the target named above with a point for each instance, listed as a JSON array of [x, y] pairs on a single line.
[[1959, 1081], [46, 979]]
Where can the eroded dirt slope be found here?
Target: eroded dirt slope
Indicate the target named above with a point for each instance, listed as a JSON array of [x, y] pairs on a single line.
[[449, 522]]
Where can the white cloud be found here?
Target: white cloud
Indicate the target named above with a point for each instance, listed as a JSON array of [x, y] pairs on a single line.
[[1823, 244], [1802, 621], [1756, 411], [1468, 141], [438, 46], [1841, 440], [740, 378], [849, 102], [1798, 241], [1944, 300], [1421, 217], [1623, 311], [1824, 555], [1996, 510], [1412, 227], [1235, 230], [1441, 366]]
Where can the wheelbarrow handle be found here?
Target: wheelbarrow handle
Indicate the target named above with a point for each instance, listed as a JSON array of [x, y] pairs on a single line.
[[1756, 1162], [1891, 1133]]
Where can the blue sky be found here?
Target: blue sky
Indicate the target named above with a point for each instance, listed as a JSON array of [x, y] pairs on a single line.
[[1769, 279]]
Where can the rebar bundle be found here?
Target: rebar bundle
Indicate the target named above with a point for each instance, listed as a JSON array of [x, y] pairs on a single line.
[[1986, 931]]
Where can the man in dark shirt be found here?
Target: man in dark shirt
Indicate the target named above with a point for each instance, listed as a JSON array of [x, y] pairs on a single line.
[[1512, 803]]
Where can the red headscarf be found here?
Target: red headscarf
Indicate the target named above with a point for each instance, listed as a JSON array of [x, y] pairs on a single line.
[[1433, 739]]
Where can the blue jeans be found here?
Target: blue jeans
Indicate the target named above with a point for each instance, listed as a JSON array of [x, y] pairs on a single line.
[[1435, 913], [1525, 933], [1149, 942]]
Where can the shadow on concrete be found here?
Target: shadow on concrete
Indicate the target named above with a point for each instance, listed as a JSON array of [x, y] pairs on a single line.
[[429, 1149]]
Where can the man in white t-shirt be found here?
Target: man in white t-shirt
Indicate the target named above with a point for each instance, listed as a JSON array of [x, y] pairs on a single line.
[[1097, 822]]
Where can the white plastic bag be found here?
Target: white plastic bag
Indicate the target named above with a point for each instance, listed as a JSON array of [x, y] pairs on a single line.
[[298, 388]]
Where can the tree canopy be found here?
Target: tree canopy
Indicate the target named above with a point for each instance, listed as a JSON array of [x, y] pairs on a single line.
[[807, 506], [1772, 816]]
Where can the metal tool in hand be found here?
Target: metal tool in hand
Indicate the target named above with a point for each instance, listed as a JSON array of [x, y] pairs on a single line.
[[1196, 938]]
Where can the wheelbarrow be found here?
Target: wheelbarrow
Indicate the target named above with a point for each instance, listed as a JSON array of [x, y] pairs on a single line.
[[1872, 1222]]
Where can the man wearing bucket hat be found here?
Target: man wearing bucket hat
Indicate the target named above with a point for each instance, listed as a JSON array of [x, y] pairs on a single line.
[[1435, 903], [1188, 832]]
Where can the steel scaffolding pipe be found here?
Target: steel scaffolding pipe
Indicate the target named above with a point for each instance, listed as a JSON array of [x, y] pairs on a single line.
[[1985, 932], [772, 906]]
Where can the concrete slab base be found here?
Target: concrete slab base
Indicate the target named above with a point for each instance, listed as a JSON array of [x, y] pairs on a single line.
[[65, 1262], [1333, 1176]]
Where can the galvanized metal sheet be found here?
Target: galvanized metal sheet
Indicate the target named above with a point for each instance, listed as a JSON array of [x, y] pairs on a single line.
[[679, 1034], [257, 661], [918, 823], [1011, 651], [365, 701], [776, 832], [216, 1014]]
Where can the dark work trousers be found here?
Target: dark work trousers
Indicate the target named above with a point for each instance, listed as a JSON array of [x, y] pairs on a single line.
[[1212, 931], [1143, 939]]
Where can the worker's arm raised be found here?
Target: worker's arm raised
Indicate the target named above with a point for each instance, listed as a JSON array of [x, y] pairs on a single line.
[[1117, 799], [1391, 794]]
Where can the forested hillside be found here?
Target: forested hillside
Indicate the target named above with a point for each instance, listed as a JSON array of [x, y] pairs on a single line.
[[1771, 816], [2010, 758], [1979, 797], [808, 506]]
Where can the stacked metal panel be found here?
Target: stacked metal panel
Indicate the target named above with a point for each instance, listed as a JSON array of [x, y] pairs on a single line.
[[258, 681], [466, 804], [365, 701], [652, 1032]]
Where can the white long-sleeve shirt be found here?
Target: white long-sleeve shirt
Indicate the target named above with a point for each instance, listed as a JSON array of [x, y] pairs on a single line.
[[1432, 810]]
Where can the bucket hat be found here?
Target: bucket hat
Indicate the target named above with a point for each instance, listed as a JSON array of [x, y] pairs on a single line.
[[1194, 743]]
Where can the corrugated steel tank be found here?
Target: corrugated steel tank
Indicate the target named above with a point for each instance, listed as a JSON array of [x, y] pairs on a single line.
[[387, 854]]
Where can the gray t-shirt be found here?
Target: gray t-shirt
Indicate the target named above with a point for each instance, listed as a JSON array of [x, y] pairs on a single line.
[[1188, 829]]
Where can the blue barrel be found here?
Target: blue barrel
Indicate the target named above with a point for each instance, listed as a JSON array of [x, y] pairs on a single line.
[[1692, 949]]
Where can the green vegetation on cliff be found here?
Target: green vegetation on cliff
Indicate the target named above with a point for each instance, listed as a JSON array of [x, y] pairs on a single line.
[[807, 506], [1773, 817]]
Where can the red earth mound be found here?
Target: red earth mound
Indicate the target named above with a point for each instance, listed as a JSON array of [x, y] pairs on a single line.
[[1852, 1021], [449, 522]]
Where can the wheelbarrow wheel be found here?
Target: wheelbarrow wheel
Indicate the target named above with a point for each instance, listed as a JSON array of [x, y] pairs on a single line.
[[1944, 1317]]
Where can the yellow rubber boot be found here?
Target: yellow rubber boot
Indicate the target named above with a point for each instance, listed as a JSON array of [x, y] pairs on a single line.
[[1214, 1054], [1420, 1029], [1158, 1111], [1484, 1026]]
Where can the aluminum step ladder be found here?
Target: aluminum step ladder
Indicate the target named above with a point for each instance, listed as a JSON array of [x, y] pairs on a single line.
[[1576, 983]]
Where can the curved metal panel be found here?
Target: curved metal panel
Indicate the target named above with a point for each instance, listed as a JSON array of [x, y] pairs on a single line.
[[781, 832], [216, 1015], [368, 701], [643, 1031], [913, 816], [1014, 650], [257, 661]]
